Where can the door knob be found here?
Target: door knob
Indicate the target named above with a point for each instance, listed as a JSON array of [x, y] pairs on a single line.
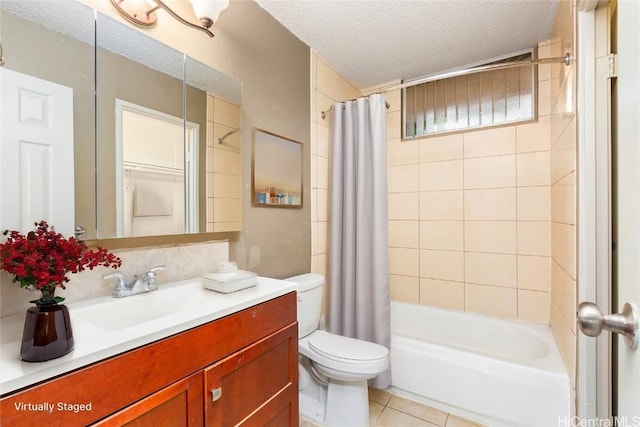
[[592, 321]]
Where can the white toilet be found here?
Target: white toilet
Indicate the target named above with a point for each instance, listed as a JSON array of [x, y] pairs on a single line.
[[338, 367]]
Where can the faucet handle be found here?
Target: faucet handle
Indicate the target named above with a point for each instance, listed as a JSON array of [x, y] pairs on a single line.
[[120, 284], [151, 276], [157, 268]]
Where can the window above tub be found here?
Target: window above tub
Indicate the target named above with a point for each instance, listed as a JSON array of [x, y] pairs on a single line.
[[476, 100]]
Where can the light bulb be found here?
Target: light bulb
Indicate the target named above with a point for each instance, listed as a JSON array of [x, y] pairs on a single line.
[[208, 11]]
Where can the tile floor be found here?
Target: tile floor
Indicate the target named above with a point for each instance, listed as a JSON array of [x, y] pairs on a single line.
[[389, 410]]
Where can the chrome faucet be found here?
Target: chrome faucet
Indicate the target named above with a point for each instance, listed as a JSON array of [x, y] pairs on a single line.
[[123, 289]]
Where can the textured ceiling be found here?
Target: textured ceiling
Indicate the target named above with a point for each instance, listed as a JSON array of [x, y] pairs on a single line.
[[374, 42], [370, 42]]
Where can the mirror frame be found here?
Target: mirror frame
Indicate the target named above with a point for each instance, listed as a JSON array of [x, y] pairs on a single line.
[[265, 142]]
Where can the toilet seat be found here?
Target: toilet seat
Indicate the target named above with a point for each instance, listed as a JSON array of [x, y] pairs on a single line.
[[345, 349], [345, 354]]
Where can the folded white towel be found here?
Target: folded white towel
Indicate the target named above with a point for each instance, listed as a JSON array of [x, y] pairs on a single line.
[[152, 198]]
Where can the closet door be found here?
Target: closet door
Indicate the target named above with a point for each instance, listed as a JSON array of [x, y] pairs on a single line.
[[36, 153]]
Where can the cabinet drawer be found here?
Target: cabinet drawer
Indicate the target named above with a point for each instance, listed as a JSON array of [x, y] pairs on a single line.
[[178, 405], [255, 385]]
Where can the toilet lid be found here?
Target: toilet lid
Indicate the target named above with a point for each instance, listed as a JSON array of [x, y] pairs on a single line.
[[337, 347]]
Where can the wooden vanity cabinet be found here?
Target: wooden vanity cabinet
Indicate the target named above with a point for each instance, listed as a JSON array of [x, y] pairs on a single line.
[[241, 369]]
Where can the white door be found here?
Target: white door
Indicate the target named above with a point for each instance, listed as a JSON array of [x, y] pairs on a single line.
[[626, 125], [36, 153]]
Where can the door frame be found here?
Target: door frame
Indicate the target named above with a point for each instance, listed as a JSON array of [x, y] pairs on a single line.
[[191, 154], [594, 360]]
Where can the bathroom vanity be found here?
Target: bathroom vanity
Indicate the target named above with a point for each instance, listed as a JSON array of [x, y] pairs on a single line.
[[241, 368]]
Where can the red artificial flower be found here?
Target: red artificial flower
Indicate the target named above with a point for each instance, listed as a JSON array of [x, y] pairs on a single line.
[[43, 258]]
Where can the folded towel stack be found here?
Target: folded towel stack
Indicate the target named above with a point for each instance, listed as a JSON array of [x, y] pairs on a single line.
[[229, 279]]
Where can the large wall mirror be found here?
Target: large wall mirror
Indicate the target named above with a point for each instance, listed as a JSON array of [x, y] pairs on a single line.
[[146, 153]]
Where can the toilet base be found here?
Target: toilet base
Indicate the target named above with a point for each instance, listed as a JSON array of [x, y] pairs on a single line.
[[311, 409], [347, 404]]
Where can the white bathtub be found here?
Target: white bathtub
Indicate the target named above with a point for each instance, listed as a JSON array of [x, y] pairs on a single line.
[[497, 372]]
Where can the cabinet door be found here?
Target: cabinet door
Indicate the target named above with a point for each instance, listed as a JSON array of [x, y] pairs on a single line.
[[257, 386], [179, 404]]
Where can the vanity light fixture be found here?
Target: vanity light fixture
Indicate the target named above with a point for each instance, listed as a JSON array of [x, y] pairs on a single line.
[[143, 12]]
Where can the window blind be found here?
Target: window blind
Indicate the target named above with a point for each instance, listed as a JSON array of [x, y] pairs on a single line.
[[482, 99]]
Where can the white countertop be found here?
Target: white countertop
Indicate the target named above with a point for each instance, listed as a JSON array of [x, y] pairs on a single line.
[[193, 305]]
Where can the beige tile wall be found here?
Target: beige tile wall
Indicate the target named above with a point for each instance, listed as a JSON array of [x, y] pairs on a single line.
[[224, 166], [562, 86], [479, 204], [469, 213], [327, 87]]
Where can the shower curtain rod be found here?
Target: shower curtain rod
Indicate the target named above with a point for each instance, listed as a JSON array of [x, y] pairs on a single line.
[[323, 114], [231, 132], [566, 60]]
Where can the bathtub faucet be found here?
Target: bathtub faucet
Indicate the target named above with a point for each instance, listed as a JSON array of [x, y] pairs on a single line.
[[123, 289]]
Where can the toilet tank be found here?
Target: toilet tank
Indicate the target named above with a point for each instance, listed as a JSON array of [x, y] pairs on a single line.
[[310, 291]]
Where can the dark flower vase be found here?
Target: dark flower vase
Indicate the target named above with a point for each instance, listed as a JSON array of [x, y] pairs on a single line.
[[47, 330]]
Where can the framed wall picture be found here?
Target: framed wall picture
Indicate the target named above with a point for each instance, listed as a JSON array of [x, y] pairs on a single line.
[[276, 179]]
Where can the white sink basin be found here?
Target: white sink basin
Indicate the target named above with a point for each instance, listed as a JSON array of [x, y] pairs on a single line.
[[113, 314]]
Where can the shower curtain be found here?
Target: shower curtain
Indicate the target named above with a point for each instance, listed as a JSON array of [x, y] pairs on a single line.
[[358, 267]]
